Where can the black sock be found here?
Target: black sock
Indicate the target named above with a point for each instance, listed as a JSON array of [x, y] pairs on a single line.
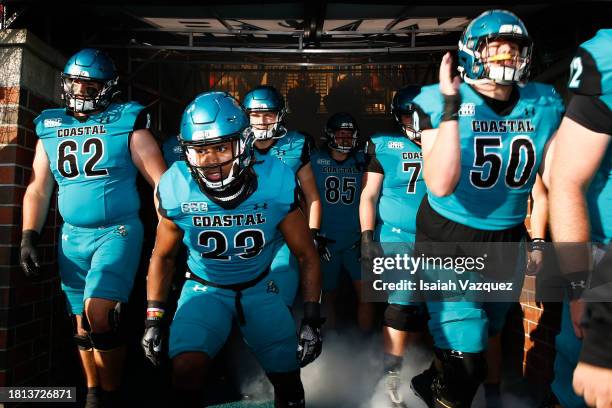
[[92, 399], [492, 388], [111, 398], [392, 363], [186, 398], [492, 395]]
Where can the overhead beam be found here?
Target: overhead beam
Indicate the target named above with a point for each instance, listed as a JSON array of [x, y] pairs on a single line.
[[306, 51]]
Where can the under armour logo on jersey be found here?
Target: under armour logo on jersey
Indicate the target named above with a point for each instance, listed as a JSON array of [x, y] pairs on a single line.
[[579, 284], [200, 288], [397, 230], [121, 230], [281, 152], [272, 288], [263, 206], [529, 111]]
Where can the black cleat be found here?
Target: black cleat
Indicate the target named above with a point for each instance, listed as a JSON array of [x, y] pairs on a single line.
[[422, 386]]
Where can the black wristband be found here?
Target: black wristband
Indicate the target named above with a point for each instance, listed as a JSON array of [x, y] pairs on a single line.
[[156, 311], [537, 244], [156, 303], [312, 313], [315, 231], [29, 237], [367, 236], [452, 103]]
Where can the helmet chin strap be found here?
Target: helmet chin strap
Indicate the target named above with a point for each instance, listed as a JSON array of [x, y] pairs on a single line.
[[276, 132]]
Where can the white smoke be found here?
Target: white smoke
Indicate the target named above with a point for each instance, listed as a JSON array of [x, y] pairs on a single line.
[[349, 373]]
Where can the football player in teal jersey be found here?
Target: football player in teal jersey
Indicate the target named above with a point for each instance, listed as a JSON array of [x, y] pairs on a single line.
[[393, 188], [93, 148], [230, 211], [172, 151], [338, 169], [484, 140], [581, 211], [266, 109]]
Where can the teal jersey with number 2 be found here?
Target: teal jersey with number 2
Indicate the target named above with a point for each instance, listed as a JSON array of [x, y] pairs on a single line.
[[229, 246]]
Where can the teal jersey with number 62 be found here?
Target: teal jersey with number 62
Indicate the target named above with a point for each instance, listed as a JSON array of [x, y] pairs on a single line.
[[92, 163]]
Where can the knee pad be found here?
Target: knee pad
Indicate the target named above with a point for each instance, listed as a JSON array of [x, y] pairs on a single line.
[[114, 337], [412, 318], [83, 342], [458, 377], [288, 389]]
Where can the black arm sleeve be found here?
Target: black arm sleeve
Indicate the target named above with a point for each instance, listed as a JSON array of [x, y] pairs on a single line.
[[371, 162], [305, 156], [421, 121], [598, 335], [296, 198], [143, 121], [585, 78], [590, 112]]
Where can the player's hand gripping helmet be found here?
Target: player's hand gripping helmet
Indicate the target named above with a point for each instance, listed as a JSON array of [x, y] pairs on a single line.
[[402, 105], [266, 98], [89, 81], [505, 68], [341, 121], [212, 118]]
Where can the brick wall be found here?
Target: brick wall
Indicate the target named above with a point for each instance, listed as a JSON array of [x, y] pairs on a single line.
[[31, 311], [535, 326]]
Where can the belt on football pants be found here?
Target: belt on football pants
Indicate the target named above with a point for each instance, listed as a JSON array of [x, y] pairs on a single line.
[[236, 287]]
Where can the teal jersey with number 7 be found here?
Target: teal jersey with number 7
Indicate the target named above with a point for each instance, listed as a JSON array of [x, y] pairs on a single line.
[[403, 185]]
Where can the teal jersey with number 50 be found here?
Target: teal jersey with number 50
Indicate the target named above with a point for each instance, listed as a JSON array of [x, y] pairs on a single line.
[[500, 155], [92, 163]]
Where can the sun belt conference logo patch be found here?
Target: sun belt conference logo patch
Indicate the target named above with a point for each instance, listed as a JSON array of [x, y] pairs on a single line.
[[272, 288], [467, 109], [54, 122]]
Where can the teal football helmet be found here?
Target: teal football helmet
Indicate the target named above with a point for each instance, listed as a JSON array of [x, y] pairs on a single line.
[[212, 118], [494, 25], [339, 121], [266, 98], [89, 81], [402, 105]]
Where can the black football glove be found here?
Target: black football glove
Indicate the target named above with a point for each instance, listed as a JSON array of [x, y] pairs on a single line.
[[310, 341], [28, 255], [321, 242], [370, 249], [152, 340]]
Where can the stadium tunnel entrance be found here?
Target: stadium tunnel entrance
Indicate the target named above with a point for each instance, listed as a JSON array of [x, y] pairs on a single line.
[[324, 57]]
